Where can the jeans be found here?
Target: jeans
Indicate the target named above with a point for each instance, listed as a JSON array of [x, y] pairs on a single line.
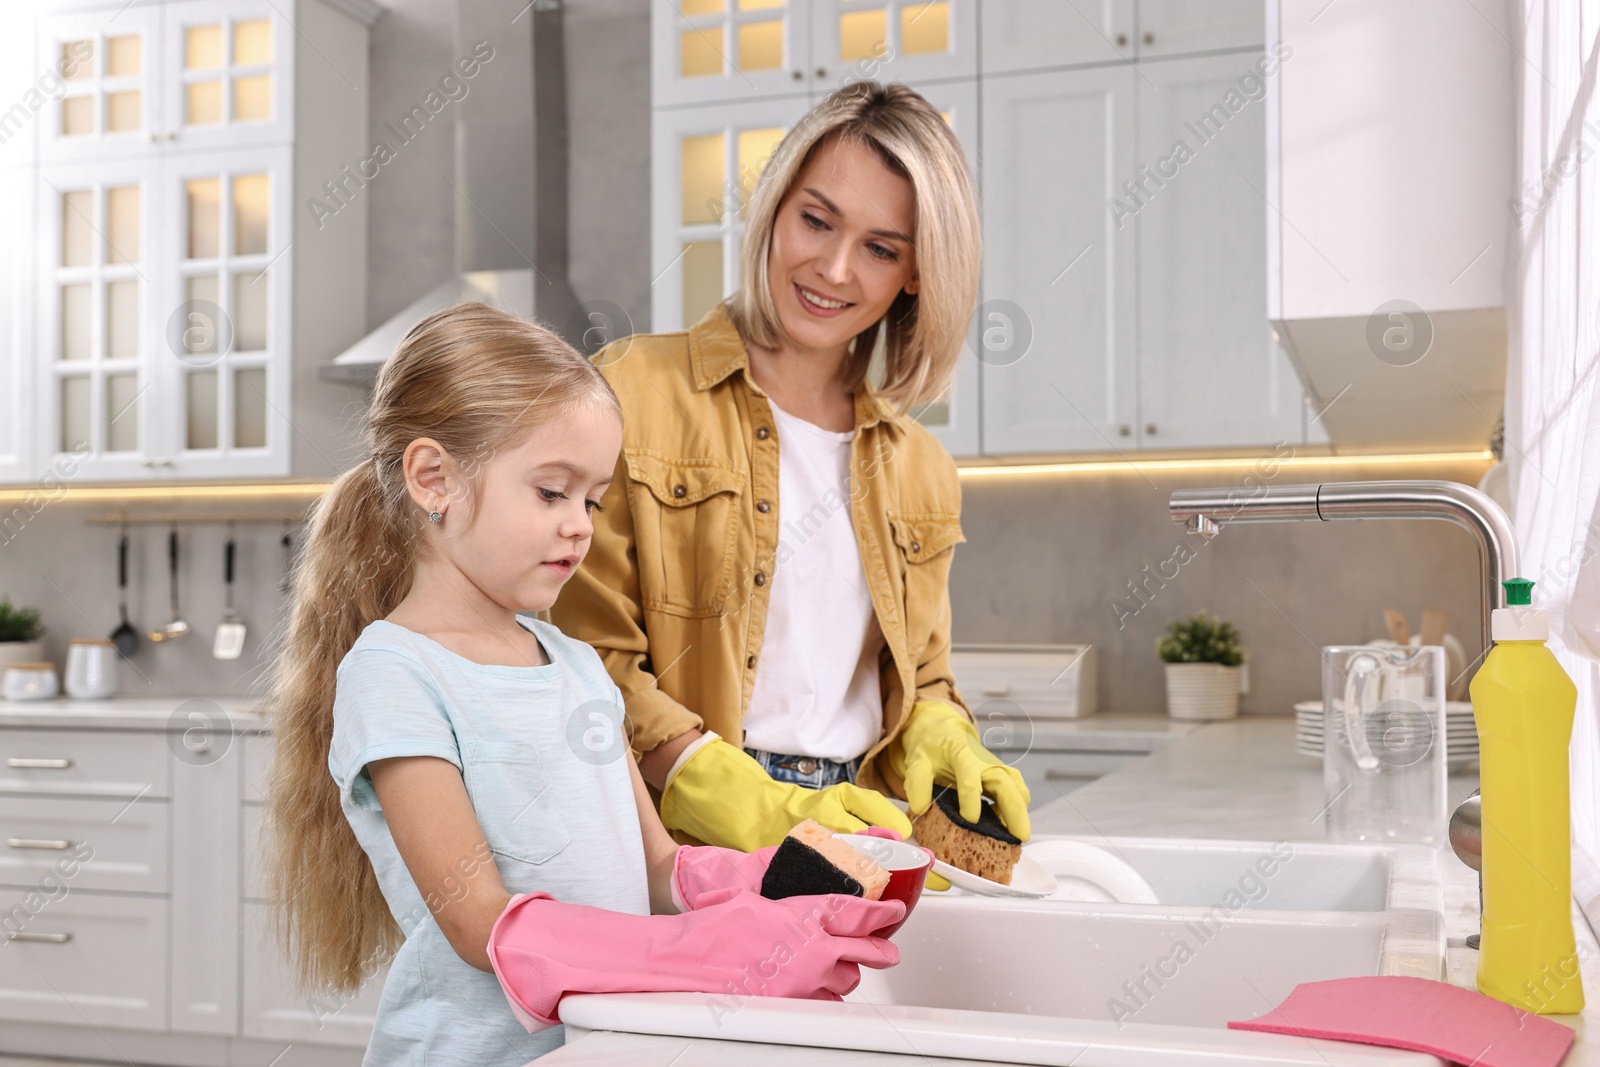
[[810, 771]]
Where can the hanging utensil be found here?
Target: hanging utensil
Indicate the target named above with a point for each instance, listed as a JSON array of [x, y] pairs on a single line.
[[1399, 631], [125, 637], [231, 630], [176, 628]]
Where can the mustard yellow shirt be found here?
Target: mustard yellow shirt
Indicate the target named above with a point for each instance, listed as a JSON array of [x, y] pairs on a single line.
[[673, 593]]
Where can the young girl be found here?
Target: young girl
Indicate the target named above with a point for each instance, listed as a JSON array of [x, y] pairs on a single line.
[[443, 764]]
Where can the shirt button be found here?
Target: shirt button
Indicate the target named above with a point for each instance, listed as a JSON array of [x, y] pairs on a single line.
[[679, 490], [763, 433], [761, 579], [916, 546], [749, 662], [763, 507]]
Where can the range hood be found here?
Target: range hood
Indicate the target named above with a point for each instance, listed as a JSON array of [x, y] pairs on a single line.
[[510, 183]]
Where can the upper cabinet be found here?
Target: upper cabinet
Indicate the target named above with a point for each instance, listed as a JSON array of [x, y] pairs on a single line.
[[710, 51], [1120, 153], [177, 300]]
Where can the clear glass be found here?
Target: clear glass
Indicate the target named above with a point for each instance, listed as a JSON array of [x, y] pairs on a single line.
[[77, 60], [203, 103], [205, 218], [76, 321], [77, 227], [122, 111], [1383, 751], [74, 414], [704, 171], [755, 148], [252, 98], [250, 407], [863, 34], [250, 212], [702, 279], [122, 412], [124, 56], [700, 51], [122, 224], [761, 45], [249, 312], [925, 28], [203, 48], [77, 116], [122, 319], [201, 409], [252, 42]]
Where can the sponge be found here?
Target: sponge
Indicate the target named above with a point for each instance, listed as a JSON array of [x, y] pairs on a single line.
[[984, 848], [812, 860]]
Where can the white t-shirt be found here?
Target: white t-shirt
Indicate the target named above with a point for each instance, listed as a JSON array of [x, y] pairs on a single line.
[[816, 689]]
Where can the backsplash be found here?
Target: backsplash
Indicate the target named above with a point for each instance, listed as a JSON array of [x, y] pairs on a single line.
[[1048, 559]]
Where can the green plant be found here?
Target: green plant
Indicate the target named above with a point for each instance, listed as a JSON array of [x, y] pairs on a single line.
[[19, 624], [1200, 639]]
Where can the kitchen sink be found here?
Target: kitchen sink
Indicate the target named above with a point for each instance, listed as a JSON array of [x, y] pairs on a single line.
[[1093, 984]]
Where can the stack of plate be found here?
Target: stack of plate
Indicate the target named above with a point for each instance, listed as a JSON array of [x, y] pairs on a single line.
[[1461, 733]]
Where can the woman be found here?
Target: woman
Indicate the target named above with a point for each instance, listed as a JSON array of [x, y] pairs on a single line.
[[769, 581]]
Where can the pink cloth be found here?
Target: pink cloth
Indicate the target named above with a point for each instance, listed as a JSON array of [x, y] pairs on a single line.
[[1420, 1015], [735, 943], [700, 869]]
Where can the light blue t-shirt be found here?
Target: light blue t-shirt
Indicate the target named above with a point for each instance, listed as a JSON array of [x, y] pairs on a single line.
[[543, 752]]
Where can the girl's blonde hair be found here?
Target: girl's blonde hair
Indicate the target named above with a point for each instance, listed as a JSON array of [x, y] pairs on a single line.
[[922, 333], [476, 380]]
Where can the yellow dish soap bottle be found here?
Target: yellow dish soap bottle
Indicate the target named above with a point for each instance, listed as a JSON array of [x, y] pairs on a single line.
[[1523, 703]]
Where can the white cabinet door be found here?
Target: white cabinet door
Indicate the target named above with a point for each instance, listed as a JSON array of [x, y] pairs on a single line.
[[912, 41], [706, 161], [223, 334], [1210, 374], [227, 77], [1057, 319], [1174, 27], [99, 302], [110, 104], [1039, 34], [17, 272], [706, 51]]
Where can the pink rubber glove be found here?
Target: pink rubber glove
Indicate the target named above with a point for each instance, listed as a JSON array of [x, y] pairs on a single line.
[[737, 942], [701, 869]]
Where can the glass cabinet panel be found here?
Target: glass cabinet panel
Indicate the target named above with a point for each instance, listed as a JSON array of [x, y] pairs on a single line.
[[702, 279], [250, 214], [122, 413], [122, 224], [200, 388], [250, 408], [704, 172]]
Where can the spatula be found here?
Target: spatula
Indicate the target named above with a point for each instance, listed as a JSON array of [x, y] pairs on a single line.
[[231, 630]]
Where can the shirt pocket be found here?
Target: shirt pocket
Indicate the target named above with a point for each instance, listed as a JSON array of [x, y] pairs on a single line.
[[925, 542], [685, 521], [518, 807]]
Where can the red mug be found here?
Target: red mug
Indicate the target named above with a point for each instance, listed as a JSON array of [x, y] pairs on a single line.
[[908, 866]]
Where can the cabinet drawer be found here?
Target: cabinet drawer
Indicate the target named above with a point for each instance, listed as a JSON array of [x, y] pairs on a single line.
[[274, 1009], [78, 958], [89, 763], [104, 844]]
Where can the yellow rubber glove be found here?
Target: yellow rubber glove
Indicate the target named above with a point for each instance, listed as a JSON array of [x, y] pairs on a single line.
[[722, 796], [939, 746]]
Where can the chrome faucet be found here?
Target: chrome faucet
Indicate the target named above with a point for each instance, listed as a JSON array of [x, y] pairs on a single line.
[[1206, 511]]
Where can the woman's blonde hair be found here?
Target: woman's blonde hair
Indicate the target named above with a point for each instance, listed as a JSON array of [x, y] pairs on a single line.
[[476, 380], [922, 333]]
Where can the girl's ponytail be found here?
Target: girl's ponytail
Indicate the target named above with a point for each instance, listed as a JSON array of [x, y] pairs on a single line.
[[474, 380], [356, 566]]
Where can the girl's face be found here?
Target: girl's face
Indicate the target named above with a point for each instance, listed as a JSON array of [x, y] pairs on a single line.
[[521, 532], [842, 245]]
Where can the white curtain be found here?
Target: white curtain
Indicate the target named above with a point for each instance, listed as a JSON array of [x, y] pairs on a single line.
[[1552, 403]]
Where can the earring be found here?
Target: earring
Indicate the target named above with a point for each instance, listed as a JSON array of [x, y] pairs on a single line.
[[435, 516]]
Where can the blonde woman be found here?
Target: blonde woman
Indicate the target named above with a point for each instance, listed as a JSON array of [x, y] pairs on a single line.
[[450, 787], [768, 584]]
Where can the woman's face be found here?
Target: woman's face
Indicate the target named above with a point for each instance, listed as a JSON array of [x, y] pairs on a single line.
[[842, 245], [518, 535]]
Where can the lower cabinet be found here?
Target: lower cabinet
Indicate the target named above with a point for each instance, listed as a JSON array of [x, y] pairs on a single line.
[[83, 958], [273, 1008]]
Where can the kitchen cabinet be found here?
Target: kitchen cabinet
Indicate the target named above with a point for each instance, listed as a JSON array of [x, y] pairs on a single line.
[[717, 51], [1099, 329], [177, 302]]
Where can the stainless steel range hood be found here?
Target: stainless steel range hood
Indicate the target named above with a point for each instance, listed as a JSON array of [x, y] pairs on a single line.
[[510, 182]]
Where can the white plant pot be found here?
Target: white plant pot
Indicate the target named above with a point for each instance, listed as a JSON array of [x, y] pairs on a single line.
[[20, 652], [1202, 692]]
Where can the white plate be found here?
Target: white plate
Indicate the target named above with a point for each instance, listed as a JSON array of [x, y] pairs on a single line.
[[1087, 872], [1028, 879]]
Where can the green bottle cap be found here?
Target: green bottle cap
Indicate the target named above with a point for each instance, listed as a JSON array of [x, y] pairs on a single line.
[[1519, 592]]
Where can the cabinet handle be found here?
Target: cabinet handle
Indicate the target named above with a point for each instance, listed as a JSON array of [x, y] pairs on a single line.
[[1150, 428], [1124, 430], [1149, 38], [1122, 39], [49, 939], [1000, 691], [1063, 776], [822, 72], [36, 842], [798, 75], [32, 764]]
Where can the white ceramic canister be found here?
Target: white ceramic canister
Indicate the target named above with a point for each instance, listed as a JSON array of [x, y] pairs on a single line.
[[91, 668], [30, 681]]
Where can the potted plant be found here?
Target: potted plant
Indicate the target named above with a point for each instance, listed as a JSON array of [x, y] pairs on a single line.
[[1203, 661], [20, 631]]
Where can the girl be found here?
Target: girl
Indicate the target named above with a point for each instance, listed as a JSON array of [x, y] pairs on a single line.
[[443, 763], [769, 586]]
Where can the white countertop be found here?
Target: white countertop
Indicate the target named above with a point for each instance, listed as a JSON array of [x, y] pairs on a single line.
[[1233, 780], [130, 713]]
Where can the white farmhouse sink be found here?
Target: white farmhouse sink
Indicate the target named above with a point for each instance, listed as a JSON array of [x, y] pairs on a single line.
[[1109, 985]]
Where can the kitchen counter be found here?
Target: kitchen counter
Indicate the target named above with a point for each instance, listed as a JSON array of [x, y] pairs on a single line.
[[1240, 779], [131, 713]]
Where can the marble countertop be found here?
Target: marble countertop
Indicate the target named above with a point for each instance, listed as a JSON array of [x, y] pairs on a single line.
[[1240, 779], [130, 713]]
